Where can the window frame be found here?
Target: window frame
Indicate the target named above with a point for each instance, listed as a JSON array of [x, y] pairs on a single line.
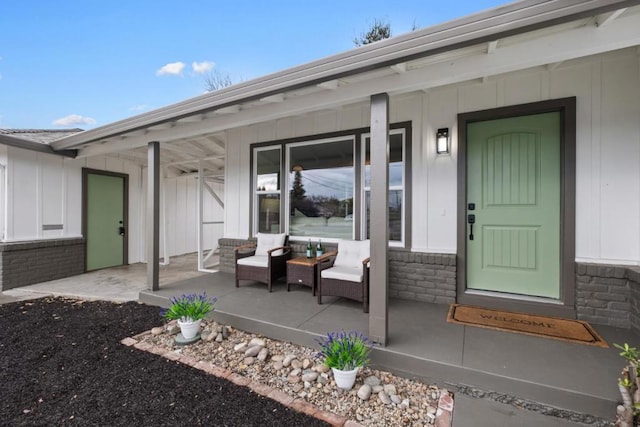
[[255, 193], [359, 153]]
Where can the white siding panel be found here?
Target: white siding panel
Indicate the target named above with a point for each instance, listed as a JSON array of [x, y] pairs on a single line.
[[353, 116], [441, 172], [114, 164], [303, 125], [52, 199], [577, 81], [135, 228], [232, 183], [325, 122], [265, 132], [244, 172], [620, 158], [73, 197], [521, 88], [284, 128], [24, 197], [478, 96], [97, 163], [170, 192]]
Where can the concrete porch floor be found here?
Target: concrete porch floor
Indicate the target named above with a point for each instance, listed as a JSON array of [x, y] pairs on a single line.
[[422, 344]]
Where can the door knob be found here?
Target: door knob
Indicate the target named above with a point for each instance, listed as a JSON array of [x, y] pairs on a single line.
[[121, 231]]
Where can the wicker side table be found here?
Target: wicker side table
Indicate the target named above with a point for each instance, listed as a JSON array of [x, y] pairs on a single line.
[[302, 271]]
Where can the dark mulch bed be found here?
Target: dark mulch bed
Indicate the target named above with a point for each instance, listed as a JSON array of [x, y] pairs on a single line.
[[61, 363]]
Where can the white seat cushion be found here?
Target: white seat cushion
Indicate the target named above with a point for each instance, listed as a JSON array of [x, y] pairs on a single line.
[[351, 253], [255, 261], [269, 241], [349, 274]]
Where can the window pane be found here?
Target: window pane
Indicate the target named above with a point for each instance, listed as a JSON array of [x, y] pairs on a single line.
[[268, 170], [395, 161], [268, 213], [395, 214], [321, 192]]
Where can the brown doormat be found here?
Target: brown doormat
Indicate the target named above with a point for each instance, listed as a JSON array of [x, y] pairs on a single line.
[[549, 327]]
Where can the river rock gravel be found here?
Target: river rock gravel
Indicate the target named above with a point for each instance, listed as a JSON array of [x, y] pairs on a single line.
[[385, 399]]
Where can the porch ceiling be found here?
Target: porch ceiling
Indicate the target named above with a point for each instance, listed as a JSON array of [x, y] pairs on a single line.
[[197, 129]]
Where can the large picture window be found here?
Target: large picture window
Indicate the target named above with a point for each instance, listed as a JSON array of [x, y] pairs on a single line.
[[322, 186]]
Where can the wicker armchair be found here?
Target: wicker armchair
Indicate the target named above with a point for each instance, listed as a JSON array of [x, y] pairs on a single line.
[[264, 262], [347, 274]]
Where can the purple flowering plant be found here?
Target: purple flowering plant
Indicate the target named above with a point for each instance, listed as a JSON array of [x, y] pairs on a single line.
[[345, 350], [189, 307]]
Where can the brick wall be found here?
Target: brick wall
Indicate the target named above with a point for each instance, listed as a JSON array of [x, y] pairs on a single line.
[[603, 294], [422, 277], [26, 263], [412, 275], [633, 274]]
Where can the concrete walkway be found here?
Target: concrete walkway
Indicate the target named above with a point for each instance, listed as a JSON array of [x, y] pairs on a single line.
[[118, 284], [421, 341]]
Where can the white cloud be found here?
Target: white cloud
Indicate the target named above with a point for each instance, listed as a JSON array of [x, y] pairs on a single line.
[[172, 68], [74, 119], [202, 67], [141, 107]]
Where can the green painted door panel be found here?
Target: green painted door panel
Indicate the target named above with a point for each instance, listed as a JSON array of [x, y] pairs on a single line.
[[513, 178], [105, 214]]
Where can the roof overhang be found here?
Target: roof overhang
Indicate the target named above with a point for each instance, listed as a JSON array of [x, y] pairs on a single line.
[[484, 27], [12, 141]]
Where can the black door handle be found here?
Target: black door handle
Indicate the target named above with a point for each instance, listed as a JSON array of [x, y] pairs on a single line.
[[471, 219], [121, 231]]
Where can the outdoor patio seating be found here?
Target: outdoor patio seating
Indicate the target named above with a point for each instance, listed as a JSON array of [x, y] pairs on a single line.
[[263, 262], [347, 273]]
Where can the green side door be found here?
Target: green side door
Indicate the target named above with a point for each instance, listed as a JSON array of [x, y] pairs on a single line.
[[513, 200], [105, 221]]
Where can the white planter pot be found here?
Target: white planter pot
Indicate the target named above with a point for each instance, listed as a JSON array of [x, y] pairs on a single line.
[[345, 379], [189, 329]]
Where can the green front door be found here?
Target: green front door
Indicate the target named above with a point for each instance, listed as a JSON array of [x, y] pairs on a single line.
[[513, 200], [105, 220]]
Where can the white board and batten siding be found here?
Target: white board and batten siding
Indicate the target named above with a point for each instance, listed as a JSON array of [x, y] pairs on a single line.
[[43, 189], [607, 88]]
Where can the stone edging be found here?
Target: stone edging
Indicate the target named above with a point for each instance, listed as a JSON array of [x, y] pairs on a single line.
[[443, 414]]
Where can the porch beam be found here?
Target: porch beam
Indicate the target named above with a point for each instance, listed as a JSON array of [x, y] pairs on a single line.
[[153, 216], [379, 221]]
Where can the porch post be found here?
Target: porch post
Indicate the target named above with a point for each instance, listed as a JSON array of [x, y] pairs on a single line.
[[379, 223], [153, 215]]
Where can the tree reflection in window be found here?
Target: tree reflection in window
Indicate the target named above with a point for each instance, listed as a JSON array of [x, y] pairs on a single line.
[[321, 190]]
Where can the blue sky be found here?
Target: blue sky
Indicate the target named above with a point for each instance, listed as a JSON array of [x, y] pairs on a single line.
[[89, 63]]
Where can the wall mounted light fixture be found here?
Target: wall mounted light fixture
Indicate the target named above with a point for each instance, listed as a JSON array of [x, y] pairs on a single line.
[[442, 141]]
